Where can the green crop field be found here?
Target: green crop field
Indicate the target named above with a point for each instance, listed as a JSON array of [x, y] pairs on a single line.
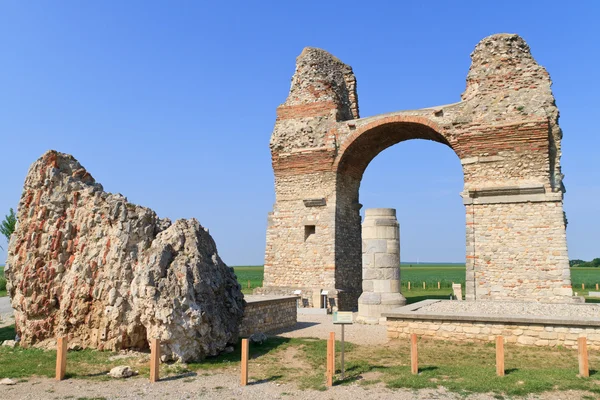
[[431, 274], [249, 276]]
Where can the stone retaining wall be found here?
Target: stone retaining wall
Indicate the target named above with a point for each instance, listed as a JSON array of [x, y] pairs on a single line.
[[522, 334], [268, 313]]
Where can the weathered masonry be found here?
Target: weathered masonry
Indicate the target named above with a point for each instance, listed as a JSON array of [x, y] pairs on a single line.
[[505, 132]]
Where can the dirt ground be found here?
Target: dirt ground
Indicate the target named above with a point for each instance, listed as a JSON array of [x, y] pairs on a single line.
[[224, 384], [319, 326]]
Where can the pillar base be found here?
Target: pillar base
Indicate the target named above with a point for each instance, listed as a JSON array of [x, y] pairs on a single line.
[[372, 305]]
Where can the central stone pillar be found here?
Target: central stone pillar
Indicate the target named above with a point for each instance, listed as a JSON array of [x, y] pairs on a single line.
[[380, 265]]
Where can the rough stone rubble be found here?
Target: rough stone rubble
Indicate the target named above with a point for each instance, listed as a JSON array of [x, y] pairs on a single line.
[[110, 274]]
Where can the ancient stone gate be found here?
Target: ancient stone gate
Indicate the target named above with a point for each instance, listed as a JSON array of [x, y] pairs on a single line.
[[505, 132]]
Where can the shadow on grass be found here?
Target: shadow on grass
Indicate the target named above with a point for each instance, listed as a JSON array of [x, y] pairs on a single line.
[[510, 371], [354, 372], [427, 369], [256, 350], [7, 333]]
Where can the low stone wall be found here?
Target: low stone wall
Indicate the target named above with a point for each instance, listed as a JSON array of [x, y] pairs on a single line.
[[523, 334], [463, 326], [268, 313]]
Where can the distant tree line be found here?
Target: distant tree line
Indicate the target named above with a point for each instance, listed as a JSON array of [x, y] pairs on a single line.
[[595, 263]]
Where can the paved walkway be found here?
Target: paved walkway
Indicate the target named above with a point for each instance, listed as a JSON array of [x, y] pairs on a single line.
[[5, 307], [6, 312]]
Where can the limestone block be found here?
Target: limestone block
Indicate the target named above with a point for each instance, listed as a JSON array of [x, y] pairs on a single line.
[[384, 260], [375, 246]]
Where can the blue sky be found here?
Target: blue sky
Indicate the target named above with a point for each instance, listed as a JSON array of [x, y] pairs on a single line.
[[172, 103]]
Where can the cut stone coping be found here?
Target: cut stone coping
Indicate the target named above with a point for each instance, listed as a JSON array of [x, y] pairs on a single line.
[[259, 298], [413, 311]]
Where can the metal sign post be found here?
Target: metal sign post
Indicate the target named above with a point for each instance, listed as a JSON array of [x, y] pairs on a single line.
[[342, 318]]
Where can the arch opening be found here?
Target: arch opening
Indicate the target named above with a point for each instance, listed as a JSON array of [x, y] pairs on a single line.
[[362, 149]]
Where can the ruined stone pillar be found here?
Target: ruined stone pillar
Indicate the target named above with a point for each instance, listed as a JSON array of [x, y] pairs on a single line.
[[381, 265]]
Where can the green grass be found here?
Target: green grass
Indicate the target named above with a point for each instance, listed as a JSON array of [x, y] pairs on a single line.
[[2, 282], [588, 276], [431, 274], [249, 276], [460, 367]]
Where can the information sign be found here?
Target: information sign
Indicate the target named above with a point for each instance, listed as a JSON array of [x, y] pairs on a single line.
[[342, 317]]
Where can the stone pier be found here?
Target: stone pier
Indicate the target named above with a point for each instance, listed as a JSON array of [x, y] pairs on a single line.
[[381, 265]]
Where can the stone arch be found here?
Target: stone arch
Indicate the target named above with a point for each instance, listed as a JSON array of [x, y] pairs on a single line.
[[355, 153], [505, 132], [359, 148]]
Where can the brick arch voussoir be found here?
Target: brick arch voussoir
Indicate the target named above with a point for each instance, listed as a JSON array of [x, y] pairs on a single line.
[[416, 119]]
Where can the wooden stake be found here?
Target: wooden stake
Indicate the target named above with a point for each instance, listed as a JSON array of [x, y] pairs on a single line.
[[245, 356], [332, 338], [584, 369], [583, 286], [330, 358], [61, 358], [438, 286], [423, 285], [414, 357], [596, 286], [248, 283], [154, 360], [409, 285], [499, 356]]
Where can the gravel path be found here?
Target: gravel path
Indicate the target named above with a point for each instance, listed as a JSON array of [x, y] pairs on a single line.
[[5, 307], [6, 312], [226, 386], [514, 309], [319, 326]]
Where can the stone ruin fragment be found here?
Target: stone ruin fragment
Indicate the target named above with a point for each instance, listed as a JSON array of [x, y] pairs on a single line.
[[111, 275]]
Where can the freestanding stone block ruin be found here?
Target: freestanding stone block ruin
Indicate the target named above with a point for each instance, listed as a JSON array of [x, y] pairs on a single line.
[[505, 132], [111, 275], [380, 261]]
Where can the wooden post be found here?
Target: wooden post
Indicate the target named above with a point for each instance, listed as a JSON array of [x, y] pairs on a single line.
[[330, 358], [584, 369], [248, 283], [499, 356], [596, 286], [61, 358], [423, 285], [583, 286], [408, 285], [154, 360], [438, 286], [245, 355], [414, 357]]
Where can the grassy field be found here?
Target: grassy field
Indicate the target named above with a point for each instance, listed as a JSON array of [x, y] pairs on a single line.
[[462, 368], [251, 277]]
